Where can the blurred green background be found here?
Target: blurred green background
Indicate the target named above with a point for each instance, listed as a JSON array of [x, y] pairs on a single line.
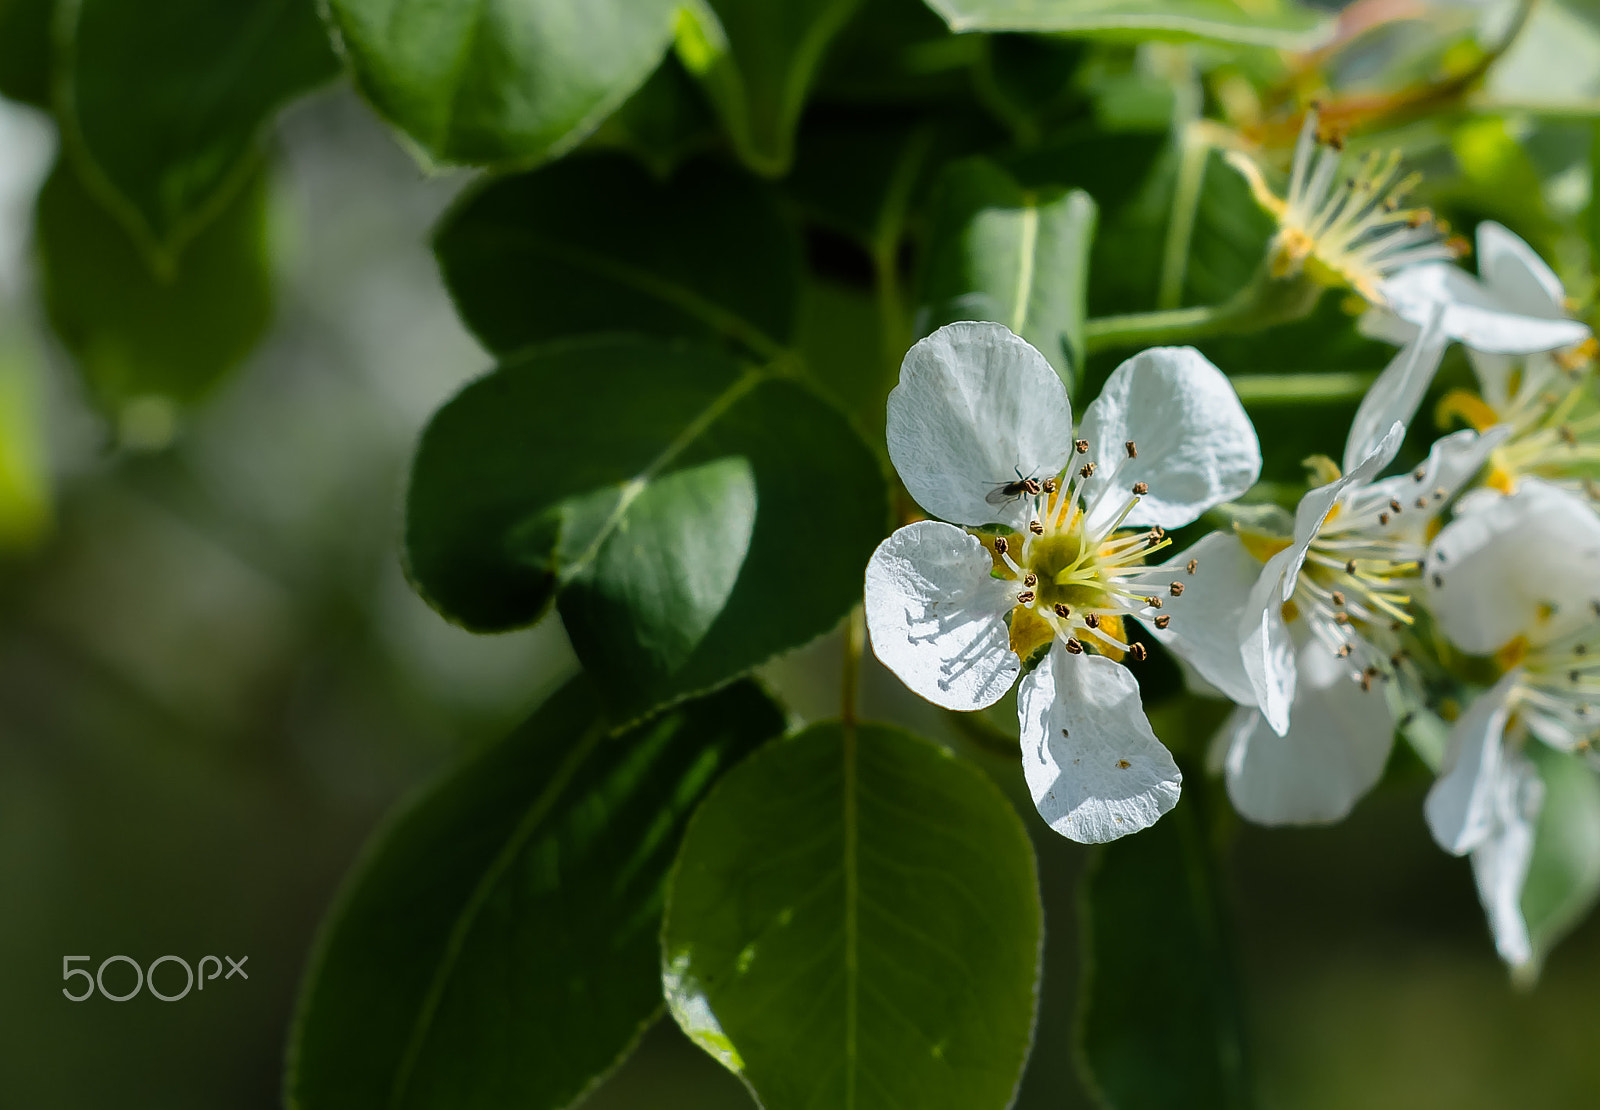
[[214, 680]]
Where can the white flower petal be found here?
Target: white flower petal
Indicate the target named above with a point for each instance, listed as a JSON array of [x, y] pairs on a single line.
[[1474, 314], [976, 407], [1451, 463], [1203, 631], [1312, 512], [1515, 275], [1334, 752], [1500, 862], [1093, 764], [1394, 397], [1524, 564], [1196, 445], [937, 618], [1461, 806], [1268, 653]]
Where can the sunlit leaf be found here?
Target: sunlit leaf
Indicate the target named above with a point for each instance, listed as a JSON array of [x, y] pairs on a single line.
[[163, 100], [24, 474], [1016, 256], [485, 83], [1280, 25], [690, 517], [596, 244], [854, 921], [497, 946]]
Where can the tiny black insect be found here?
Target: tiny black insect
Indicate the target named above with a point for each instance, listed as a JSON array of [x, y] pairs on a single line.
[[1006, 492]]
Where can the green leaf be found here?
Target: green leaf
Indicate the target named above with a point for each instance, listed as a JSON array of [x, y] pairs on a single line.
[[854, 920], [1282, 26], [146, 342], [25, 51], [1552, 66], [25, 496], [497, 944], [1160, 1024], [162, 102], [1564, 874], [596, 244], [1016, 256], [757, 59], [692, 517], [483, 83]]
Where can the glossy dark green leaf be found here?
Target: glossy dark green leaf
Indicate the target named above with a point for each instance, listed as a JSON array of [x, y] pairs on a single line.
[[596, 244], [484, 83], [693, 517], [25, 51], [664, 122], [1016, 256], [163, 101], [855, 921], [757, 59], [1159, 1019], [137, 335], [1282, 25], [497, 946], [1564, 874]]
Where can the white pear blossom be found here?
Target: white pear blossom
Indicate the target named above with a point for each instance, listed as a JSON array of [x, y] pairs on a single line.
[[1319, 621], [1516, 306], [1517, 581], [1345, 226], [980, 430], [1531, 360]]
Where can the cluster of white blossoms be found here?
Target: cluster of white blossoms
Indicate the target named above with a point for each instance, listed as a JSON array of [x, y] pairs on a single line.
[[1467, 587]]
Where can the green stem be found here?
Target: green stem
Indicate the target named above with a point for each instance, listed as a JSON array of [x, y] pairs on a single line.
[[1261, 390], [855, 642], [1136, 329]]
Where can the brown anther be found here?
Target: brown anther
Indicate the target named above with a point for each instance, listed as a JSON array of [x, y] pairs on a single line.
[[1383, 518], [1439, 494], [1133, 449], [1000, 545], [1367, 676], [1063, 610], [1030, 580], [1350, 566], [1153, 601], [1341, 617], [1074, 647], [1394, 660], [1035, 527], [1458, 246], [1422, 502], [1344, 651], [1438, 581], [1048, 485], [1092, 620], [1394, 504], [1580, 649], [1025, 597], [1082, 445], [1574, 676], [1163, 620], [1420, 473], [1138, 652], [1157, 531], [1338, 597], [1193, 563], [1141, 488], [1176, 589], [1086, 471]]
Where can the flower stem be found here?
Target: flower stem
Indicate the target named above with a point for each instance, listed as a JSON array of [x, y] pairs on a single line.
[[1326, 387], [1136, 329]]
